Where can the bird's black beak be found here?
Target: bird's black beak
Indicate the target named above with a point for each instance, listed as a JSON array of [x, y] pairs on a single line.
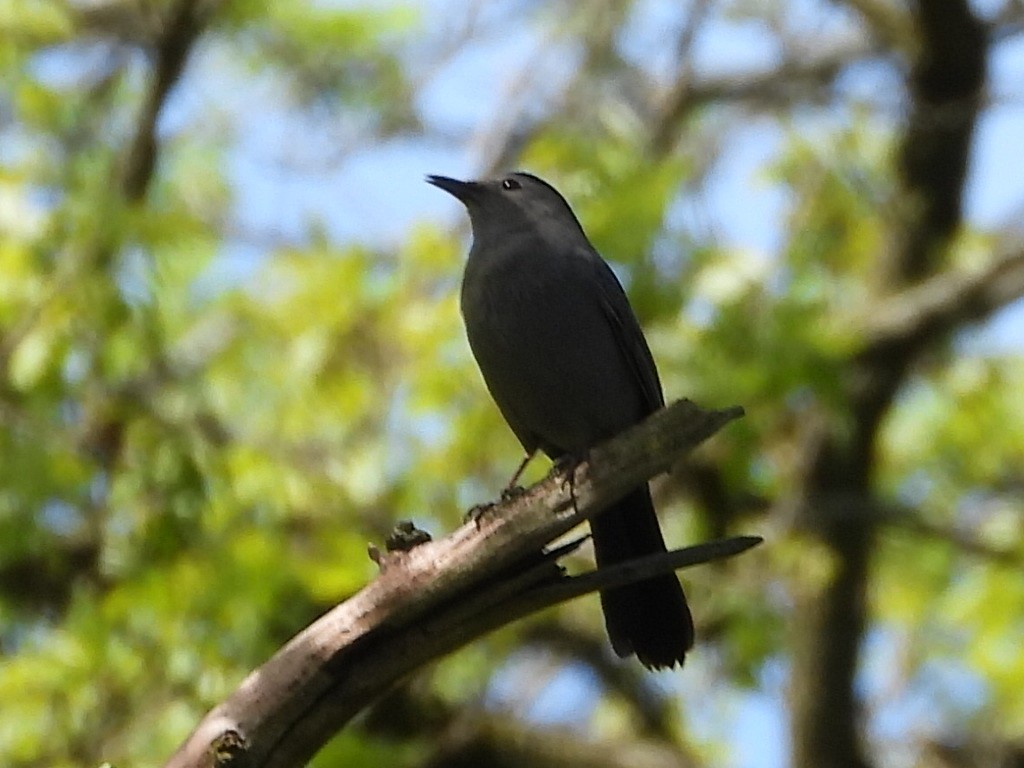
[[463, 190]]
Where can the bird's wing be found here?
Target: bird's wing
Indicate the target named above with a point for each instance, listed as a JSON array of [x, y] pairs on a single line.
[[627, 331]]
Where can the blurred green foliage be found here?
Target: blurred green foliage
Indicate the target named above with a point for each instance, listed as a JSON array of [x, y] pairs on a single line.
[[190, 471]]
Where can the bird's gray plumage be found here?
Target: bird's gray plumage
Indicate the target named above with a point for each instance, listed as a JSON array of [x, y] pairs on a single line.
[[564, 358]]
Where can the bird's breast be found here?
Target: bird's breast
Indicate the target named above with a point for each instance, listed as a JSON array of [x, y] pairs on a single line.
[[508, 296], [546, 349]]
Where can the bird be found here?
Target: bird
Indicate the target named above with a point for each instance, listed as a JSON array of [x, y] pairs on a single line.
[[565, 360]]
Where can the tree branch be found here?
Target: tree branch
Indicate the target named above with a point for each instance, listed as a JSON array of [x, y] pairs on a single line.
[[947, 82], [179, 32], [791, 81], [437, 596], [946, 85], [652, 710], [508, 744], [933, 308]]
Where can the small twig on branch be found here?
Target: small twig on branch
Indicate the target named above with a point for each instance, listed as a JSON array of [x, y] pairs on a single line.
[[440, 595]]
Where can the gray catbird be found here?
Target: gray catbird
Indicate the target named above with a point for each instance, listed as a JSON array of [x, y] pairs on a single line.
[[566, 362]]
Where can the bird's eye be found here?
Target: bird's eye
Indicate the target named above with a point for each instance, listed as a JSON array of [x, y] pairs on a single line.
[[510, 184]]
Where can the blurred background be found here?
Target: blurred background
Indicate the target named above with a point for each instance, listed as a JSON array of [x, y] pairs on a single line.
[[231, 356]]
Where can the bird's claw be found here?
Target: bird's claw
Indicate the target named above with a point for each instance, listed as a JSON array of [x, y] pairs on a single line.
[[476, 513], [512, 492], [567, 466]]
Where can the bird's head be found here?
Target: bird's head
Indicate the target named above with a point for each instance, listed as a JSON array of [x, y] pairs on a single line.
[[514, 203]]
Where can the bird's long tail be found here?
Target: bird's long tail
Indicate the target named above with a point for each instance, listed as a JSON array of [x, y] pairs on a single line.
[[648, 618]]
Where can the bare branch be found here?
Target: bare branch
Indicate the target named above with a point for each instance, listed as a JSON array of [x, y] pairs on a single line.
[[439, 595]]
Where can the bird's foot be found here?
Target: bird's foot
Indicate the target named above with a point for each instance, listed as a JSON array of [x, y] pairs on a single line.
[[476, 513], [513, 482], [512, 492], [567, 465]]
